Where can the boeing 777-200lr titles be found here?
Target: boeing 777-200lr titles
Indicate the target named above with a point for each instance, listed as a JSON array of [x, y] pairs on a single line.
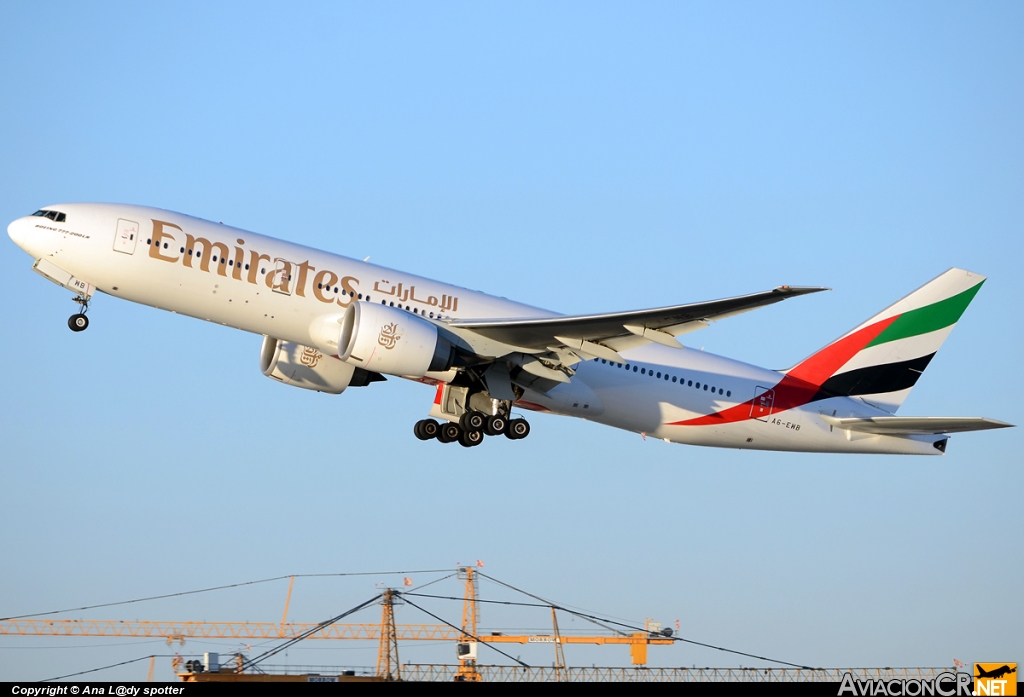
[[329, 322]]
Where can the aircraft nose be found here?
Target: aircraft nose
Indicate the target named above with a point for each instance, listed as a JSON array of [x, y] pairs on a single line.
[[18, 232]]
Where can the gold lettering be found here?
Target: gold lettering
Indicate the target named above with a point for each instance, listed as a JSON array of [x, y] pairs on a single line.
[[348, 284], [300, 287], [192, 244], [236, 272], [158, 237], [254, 264], [321, 282]]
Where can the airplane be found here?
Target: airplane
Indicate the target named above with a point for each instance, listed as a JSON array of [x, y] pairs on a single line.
[[996, 672], [330, 322]]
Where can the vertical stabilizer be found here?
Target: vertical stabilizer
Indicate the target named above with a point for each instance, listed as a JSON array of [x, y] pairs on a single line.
[[881, 360]]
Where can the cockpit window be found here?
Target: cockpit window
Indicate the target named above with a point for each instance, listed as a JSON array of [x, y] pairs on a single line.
[[55, 216]]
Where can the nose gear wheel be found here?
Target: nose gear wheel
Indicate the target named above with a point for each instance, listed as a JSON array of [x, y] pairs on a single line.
[[79, 322]]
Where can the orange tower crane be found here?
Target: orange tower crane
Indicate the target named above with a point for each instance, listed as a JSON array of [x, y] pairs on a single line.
[[388, 633]]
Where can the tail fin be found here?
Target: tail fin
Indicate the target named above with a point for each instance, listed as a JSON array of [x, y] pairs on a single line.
[[881, 360]]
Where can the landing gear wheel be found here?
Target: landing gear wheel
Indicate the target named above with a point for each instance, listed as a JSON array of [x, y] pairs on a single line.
[[78, 323], [467, 439], [448, 432], [518, 428], [495, 425], [426, 429], [473, 421]]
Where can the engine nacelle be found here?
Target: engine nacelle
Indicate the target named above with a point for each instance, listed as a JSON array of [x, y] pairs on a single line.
[[384, 339], [305, 367]]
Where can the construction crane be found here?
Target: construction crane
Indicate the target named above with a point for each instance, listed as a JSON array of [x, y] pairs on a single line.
[[467, 646], [387, 633]]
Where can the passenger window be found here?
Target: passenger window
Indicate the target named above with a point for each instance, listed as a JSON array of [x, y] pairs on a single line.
[[673, 378]]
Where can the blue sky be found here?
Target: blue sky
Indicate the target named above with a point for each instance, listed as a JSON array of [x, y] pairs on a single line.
[[581, 157]]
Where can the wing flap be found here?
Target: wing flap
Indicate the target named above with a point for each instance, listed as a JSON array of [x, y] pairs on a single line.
[[915, 425]]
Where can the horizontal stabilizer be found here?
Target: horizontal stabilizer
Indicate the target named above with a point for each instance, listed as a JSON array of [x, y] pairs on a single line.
[[915, 425]]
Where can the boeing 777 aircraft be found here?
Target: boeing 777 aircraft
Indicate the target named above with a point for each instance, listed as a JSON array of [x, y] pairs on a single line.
[[329, 322]]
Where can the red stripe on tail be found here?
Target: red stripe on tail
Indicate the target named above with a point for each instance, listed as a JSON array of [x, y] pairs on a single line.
[[800, 384]]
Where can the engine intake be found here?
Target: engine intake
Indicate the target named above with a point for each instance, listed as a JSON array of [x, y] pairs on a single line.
[[386, 340], [306, 367]]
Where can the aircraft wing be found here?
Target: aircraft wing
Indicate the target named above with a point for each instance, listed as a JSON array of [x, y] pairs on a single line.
[[602, 335], [915, 425]]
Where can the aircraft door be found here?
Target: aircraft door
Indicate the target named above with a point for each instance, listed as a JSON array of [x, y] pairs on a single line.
[[761, 407], [126, 237], [282, 280]]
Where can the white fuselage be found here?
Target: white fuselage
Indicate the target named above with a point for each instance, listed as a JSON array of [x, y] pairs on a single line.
[[267, 286]]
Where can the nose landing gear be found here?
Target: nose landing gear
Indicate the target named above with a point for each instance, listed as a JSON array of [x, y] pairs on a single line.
[[79, 322]]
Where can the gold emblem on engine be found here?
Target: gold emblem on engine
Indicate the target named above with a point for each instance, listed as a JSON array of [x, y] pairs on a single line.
[[310, 356], [388, 336]]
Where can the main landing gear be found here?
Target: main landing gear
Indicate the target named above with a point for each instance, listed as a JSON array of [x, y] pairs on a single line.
[[471, 429], [79, 322]]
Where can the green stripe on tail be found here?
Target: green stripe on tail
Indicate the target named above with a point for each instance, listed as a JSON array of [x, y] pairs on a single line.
[[929, 318]]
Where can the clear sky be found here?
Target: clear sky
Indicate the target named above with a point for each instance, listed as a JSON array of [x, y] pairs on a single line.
[[582, 157]]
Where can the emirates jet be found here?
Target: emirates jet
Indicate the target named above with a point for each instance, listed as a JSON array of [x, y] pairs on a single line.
[[329, 322]]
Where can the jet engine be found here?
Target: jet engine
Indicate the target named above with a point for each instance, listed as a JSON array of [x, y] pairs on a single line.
[[387, 340], [302, 366]]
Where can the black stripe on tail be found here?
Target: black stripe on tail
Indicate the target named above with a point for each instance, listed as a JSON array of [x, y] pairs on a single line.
[[875, 379]]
